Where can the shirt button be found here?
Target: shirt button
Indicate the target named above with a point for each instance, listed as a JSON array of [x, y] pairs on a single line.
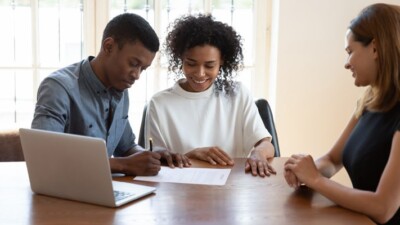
[[107, 110], [90, 126]]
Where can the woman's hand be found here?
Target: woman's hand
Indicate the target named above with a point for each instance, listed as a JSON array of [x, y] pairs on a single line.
[[301, 169], [291, 179], [258, 164], [174, 159], [213, 155]]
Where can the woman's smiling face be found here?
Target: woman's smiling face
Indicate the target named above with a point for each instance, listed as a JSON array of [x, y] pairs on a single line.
[[201, 67], [362, 60]]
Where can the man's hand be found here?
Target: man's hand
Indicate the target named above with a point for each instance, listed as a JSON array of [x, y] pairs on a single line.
[[142, 163]]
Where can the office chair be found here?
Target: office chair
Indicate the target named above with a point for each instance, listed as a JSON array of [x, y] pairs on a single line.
[[10, 146], [141, 132], [266, 115]]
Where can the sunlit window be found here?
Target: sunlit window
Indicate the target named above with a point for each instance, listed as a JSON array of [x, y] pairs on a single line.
[[36, 39], [40, 36]]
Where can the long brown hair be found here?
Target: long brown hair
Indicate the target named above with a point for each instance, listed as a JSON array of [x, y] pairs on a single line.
[[381, 23]]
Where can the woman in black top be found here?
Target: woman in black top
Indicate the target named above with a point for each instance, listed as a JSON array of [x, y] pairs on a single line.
[[369, 147]]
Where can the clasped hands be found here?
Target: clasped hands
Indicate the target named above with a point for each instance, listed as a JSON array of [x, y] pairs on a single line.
[[301, 169]]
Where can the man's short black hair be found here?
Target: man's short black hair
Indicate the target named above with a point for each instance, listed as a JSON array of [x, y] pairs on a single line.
[[129, 27]]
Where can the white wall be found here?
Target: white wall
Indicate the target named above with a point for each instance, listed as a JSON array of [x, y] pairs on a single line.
[[315, 96]]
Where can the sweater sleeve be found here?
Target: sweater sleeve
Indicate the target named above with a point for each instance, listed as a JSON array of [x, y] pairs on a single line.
[[152, 126]]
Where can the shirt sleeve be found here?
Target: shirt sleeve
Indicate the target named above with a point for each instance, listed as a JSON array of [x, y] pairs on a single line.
[[126, 142], [52, 107]]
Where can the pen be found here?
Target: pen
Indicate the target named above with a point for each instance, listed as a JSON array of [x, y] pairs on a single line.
[[151, 144]]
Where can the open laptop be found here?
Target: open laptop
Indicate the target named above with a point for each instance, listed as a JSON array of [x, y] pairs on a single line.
[[74, 167]]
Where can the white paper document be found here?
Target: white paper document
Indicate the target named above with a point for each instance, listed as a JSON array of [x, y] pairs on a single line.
[[203, 176]]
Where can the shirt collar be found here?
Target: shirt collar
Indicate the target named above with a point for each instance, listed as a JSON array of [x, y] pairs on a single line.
[[204, 94], [95, 83]]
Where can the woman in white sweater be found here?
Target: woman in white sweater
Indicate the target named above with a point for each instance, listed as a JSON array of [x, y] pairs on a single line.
[[206, 115]]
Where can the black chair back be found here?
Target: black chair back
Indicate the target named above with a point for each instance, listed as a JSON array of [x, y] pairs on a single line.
[[141, 132], [266, 115]]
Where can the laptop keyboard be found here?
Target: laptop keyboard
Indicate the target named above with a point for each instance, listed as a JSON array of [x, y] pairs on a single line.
[[119, 195]]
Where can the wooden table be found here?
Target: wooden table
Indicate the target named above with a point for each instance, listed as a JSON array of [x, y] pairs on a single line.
[[243, 200]]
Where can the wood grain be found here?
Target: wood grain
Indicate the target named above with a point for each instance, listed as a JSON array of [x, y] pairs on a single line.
[[243, 200]]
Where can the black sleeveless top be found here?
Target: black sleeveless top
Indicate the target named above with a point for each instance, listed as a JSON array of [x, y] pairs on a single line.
[[367, 150]]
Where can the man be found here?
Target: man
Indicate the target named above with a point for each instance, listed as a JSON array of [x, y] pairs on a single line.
[[91, 97]]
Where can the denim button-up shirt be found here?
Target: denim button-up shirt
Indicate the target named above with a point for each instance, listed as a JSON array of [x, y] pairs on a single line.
[[73, 100]]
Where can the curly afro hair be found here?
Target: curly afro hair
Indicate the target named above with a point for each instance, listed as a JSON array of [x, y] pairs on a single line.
[[198, 30]]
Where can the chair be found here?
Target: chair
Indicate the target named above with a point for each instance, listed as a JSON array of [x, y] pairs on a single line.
[[141, 132], [266, 115], [10, 146]]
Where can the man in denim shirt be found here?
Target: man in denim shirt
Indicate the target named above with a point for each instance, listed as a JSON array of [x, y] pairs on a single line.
[[91, 97]]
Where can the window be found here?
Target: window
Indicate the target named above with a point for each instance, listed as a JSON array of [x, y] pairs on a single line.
[[44, 35], [38, 37]]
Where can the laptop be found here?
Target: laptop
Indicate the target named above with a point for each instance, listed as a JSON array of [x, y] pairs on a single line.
[[74, 167]]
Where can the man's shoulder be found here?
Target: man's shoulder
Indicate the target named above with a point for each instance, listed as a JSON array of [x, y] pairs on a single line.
[[67, 76]]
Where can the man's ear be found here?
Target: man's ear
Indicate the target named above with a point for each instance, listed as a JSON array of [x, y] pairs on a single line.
[[108, 44]]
